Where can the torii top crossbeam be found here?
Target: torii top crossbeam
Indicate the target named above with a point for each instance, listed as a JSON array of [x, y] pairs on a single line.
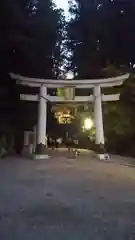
[[88, 83]]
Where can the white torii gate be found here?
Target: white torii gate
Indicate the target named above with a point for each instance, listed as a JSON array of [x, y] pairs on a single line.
[[97, 97]]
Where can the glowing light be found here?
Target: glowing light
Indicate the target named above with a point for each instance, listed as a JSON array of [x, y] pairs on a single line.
[[63, 114], [69, 75], [88, 124]]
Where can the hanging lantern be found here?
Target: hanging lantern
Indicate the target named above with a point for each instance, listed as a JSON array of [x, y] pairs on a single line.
[[65, 113]]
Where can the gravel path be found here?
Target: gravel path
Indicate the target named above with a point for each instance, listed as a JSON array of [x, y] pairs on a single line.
[[60, 198]]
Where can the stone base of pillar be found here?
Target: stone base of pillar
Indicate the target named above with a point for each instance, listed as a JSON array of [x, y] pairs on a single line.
[[104, 156], [100, 148], [40, 149], [101, 152], [40, 152], [40, 156]]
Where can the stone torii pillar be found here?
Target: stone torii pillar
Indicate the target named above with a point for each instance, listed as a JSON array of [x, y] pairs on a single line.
[[98, 115], [42, 120]]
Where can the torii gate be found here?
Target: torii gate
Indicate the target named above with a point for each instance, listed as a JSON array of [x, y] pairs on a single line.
[[96, 98]]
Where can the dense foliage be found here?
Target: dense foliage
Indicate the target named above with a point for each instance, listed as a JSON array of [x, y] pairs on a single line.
[[101, 32], [31, 36], [101, 39]]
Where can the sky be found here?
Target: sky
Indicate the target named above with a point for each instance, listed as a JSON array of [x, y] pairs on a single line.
[[62, 4]]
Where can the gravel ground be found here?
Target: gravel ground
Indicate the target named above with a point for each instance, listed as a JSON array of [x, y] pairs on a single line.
[[61, 198]]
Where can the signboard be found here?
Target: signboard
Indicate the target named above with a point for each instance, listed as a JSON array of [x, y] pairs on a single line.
[[67, 92]]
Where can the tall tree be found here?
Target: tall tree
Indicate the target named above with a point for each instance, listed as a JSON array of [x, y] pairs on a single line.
[[101, 32], [101, 36], [30, 45]]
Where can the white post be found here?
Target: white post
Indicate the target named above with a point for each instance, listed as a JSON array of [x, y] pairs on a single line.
[[98, 115], [42, 116], [26, 138], [34, 137]]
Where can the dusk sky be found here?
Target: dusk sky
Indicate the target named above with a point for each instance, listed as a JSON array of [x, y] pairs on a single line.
[[62, 4]]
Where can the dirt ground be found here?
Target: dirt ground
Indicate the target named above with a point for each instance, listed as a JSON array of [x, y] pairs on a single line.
[[66, 199]]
